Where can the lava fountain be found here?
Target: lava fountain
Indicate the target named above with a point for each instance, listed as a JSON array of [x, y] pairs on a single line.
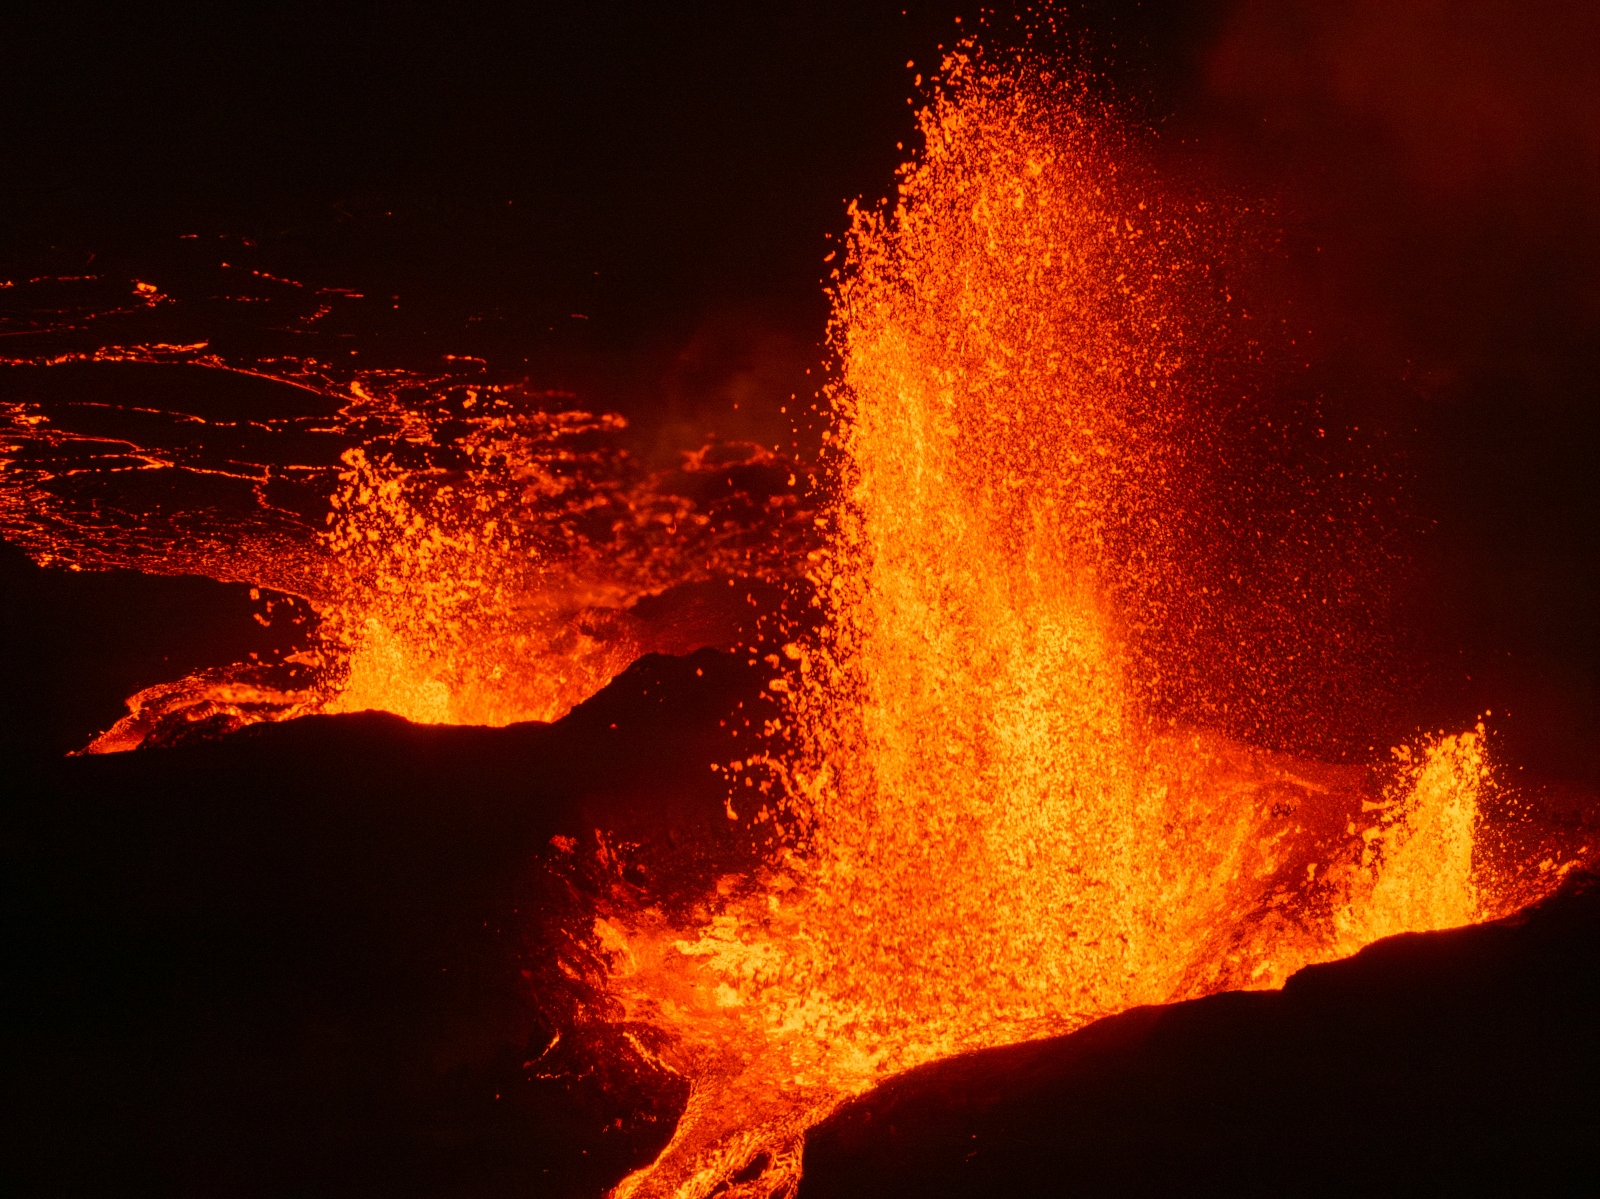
[[986, 833]]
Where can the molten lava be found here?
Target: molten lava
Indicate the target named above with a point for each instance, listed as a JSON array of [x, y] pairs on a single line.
[[473, 552], [991, 835]]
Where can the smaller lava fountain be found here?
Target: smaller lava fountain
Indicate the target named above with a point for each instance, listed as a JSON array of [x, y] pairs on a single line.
[[479, 557]]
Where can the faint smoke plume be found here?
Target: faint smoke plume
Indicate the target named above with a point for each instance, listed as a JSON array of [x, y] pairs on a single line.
[[1460, 141]]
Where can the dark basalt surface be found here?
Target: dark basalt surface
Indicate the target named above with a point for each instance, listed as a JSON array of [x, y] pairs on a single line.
[[75, 644], [329, 957], [1460, 1062]]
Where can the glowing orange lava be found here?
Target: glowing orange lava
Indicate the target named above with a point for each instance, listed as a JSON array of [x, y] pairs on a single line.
[[480, 560], [992, 838]]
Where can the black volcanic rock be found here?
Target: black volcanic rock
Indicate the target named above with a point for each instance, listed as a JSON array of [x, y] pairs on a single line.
[[330, 957], [1460, 1062], [75, 644]]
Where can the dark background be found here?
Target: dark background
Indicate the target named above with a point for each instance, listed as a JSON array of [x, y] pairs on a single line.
[[671, 173]]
